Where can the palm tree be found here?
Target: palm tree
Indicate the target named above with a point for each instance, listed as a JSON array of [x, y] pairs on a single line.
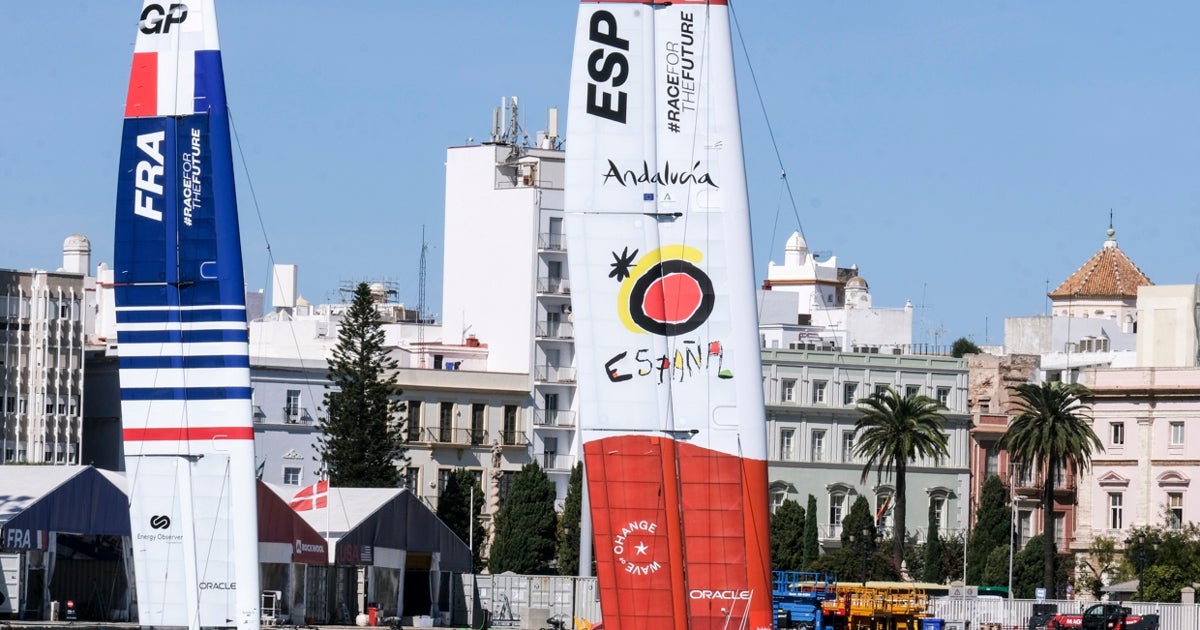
[[893, 431], [1053, 430]]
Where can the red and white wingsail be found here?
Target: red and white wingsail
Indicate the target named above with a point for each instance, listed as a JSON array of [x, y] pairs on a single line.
[[667, 347]]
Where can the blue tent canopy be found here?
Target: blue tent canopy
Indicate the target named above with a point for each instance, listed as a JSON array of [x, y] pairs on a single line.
[[71, 499]]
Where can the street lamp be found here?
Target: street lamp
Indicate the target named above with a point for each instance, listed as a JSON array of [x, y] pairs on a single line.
[[870, 542], [1139, 557]]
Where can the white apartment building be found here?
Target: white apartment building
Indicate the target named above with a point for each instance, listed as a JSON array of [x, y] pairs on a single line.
[[505, 276], [45, 319]]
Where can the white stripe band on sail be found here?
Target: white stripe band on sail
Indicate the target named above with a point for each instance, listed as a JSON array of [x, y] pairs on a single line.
[[184, 377], [165, 326], [206, 349], [210, 307]]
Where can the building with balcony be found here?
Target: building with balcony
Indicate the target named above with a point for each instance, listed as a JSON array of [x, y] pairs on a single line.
[[45, 317], [811, 412], [505, 275]]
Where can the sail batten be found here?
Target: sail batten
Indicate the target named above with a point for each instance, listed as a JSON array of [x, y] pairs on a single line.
[[182, 335], [669, 366]]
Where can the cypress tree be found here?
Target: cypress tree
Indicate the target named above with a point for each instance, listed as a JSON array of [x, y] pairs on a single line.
[[457, 512], [787, 537], [526, 525], [568, 530], [993, 522], [360, 439], [812, 544], [934, 551]]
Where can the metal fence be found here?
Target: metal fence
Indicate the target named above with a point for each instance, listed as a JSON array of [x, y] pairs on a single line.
[[527, 601], [1015, 613]]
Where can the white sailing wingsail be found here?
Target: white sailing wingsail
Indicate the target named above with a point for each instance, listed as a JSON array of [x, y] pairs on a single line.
[[182, 333]]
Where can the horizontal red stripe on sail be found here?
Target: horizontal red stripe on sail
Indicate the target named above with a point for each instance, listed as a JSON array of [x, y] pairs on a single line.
[[185, 434], [142, 98]]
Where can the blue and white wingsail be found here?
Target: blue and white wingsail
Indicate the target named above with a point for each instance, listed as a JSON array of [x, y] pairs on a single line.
[[182, 332]]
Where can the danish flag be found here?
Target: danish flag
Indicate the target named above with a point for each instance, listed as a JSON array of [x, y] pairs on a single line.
[[313, 497]]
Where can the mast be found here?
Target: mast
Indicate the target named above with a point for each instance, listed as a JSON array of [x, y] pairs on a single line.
[[183, 339]]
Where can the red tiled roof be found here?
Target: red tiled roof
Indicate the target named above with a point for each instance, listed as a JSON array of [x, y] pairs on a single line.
[[1107, 274]]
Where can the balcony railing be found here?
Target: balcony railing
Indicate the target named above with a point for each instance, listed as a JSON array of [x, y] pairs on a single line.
[[552, 241], [296, 415], [259, 414], [553, 374], [514, 438], [448, 435], [555, 461], [553, 286], [554, 418], [555, 330]]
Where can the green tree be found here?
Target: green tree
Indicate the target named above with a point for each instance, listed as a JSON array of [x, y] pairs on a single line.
[[892, 431], [1028, 574], [993, 523], [1163, 583], [787, 537], [361, 438], [461, 515], [526, 525], [812, 543], [962, 346], [1101, 562], [1052, 431], [995, 570], [934, 571], [858, 532], [568, 527]]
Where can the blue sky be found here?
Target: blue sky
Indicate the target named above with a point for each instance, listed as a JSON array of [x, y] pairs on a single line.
[[963, 155]]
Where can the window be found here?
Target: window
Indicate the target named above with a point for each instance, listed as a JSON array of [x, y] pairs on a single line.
[[991, 461], [943, 396], [10, 404], [1175, 509], [1024, 526], [847, 446], [291, 408], [445, 423], [443, 479], [506, 478], [1176, 434], [477, 410], [413, 423], [883, 510], [787, 444], [1117, 431], [550, 453], [938, 505], [880, 389], [412, 478], [1116, 518], [849, 393], [1060, 531], [912, 390], [291, 475], [510, 424], [777, 499], [837, 505], [818, 445], [819, 388], [789, 390]]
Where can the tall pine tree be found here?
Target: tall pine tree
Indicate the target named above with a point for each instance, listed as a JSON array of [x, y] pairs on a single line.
[[457, 512], [361, 440], [568, 530], [935, 550], [526, 525]]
